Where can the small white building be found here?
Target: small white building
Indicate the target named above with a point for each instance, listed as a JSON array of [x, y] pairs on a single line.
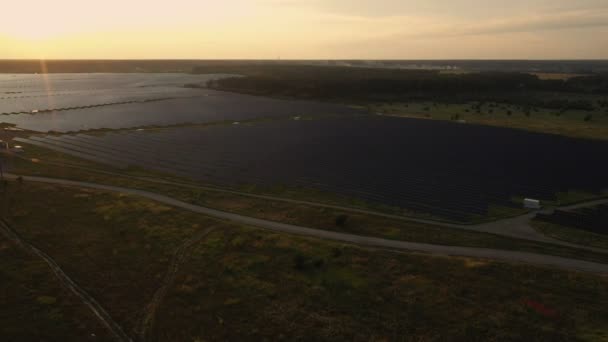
[[530, 203]]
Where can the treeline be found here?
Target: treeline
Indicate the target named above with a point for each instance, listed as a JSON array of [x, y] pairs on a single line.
[[374, 84], [95, 66]]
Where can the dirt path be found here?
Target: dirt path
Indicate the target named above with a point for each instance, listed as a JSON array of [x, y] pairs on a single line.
[[179, 257], [496, 254], [66, 281]]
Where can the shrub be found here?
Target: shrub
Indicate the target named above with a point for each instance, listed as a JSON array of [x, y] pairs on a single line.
[[299, 262], [46, 300], [589, 117], [341, 220], [336, 252]]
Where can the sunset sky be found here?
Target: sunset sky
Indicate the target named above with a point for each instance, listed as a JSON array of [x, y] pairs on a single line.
[[303, 29]]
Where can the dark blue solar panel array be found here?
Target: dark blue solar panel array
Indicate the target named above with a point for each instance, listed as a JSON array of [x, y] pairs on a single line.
[[440, 168], [70, 103]]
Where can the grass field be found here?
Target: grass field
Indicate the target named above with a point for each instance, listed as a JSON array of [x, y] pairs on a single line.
[[35, 306], [574, 123], [243, 283], [573, 235], [310, 216], [264, 286], [115, 247], [305, 194]]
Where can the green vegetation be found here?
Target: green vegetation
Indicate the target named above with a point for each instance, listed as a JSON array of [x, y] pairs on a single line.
[[574, 197], [573, 106], [35, 306], [247, 284], [243, 283], [380, 84], [369, 225], [317, 217], [573, 235], [115, 247], [574, 123]]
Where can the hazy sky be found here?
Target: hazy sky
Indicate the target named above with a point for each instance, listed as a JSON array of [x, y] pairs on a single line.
[[293, 29]]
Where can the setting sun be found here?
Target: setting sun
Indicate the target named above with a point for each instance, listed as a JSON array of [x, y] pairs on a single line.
[[303, 170], [303, 29]]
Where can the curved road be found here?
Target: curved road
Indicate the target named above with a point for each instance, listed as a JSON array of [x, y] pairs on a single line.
[[502, 255], [516, 227]]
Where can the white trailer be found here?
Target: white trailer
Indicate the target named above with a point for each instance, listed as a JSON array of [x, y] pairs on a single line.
[[530, 203]]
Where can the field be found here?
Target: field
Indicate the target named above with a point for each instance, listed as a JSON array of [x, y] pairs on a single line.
[[574, 123], [168, 274], [33, 295], [57, 165], [509, 96], [445, 170], [238, 282], [591, 219], [571, 234]]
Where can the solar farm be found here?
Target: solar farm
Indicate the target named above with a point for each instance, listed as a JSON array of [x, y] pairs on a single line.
[[70, 103], [447, 170]]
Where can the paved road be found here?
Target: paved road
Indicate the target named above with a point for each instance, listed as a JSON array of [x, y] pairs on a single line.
[[99, 312], [584, 205], [502, 255]]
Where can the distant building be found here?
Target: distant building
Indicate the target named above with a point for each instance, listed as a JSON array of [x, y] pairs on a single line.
[[530, 203]]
